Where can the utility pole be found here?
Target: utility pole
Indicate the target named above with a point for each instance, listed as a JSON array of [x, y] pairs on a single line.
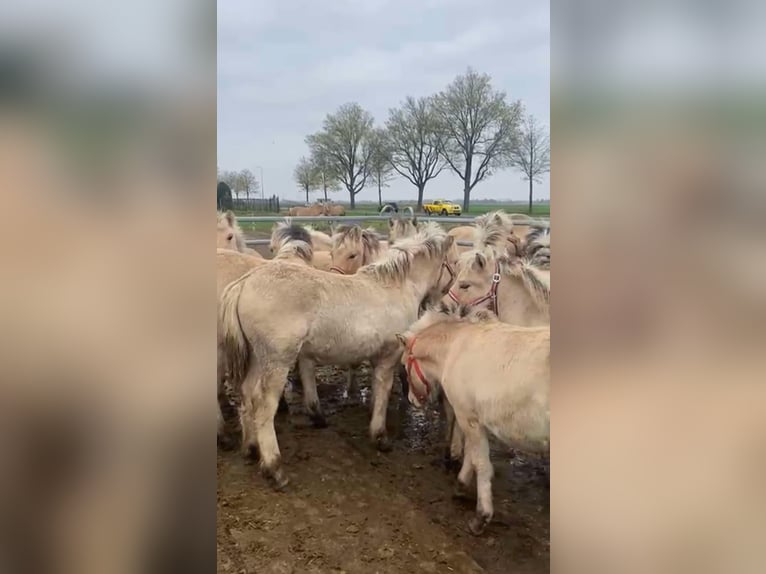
[[262, 189]]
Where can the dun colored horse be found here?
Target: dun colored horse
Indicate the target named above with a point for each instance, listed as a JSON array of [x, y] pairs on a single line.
[[277, 314], [230, 235], [495, 376]]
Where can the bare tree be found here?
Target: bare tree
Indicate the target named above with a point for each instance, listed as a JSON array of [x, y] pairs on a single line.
[[324, 169], [532, 155], [230, 178], [346, 143], [305, 176], [477, 129], [248, 182], [381, 169], [414, 144]]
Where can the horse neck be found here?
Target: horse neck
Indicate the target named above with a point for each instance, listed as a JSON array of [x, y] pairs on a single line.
[[422, 274], [517, 306], [239, 238], [436, 341]]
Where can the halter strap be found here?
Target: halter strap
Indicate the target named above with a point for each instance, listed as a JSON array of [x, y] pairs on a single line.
[[490, 296], [412, 363], [446, 265]]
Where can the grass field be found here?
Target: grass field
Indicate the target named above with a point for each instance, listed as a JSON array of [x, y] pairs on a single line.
[[538, 210]]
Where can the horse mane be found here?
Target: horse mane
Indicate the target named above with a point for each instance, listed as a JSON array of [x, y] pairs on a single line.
[[228, 219], [449, 312], [492, 230], [403, 227], [542, 258], [531, 276], [537, 248], [368, 237], [530, 273], [430, 240], [289, 239]]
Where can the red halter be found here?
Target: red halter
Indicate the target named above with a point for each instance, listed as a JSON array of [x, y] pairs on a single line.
[[412, 363], [490, 296]]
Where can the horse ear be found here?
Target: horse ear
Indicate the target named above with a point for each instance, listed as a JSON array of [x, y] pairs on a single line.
[[448, 242], [230, 217], [479, 261], [391, 223], [402, 338]]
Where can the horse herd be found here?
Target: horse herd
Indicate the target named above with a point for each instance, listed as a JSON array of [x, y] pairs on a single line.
[[317, 209], [470, 325]]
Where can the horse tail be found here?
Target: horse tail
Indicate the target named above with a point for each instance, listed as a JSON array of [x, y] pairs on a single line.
[[236, 349]]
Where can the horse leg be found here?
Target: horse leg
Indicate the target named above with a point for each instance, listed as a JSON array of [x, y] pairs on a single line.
[[264, 392], [283, 406], [352, 388], [220, 374], [479, 452], [383, 379], [454, 450], [403, 381], [465, 476], [307, 370]]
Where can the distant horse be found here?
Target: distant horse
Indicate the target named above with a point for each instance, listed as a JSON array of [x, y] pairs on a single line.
[[278, 313], [310, 211], [495, 376], [334, 209]]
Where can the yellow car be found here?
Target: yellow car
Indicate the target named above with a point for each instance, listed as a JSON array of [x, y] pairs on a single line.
[[442, 207]]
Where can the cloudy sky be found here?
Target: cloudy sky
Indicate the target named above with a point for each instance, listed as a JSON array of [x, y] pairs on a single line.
[[283, 65]]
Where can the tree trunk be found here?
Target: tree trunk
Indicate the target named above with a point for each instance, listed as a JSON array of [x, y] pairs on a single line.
[[421, 188], [307, 194], [467, 185], [530, 196], [352, 197], [466, 197], [325, 192], [380, 197]]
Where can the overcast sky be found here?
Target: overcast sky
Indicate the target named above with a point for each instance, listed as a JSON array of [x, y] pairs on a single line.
[[283, 65]]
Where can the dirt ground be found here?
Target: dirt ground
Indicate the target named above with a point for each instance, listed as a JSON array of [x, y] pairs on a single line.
[[349, 508]]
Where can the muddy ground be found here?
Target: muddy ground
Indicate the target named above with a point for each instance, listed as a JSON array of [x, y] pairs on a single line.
[[349, 508]]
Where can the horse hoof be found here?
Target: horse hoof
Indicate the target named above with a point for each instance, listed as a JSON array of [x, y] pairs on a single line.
[[279, 480], [461, 492], [250, 452], [477, 524], [383, 444], [226, 442]]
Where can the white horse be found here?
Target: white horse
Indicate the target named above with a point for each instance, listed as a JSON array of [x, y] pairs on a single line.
[[495, 376], [277, 314]]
